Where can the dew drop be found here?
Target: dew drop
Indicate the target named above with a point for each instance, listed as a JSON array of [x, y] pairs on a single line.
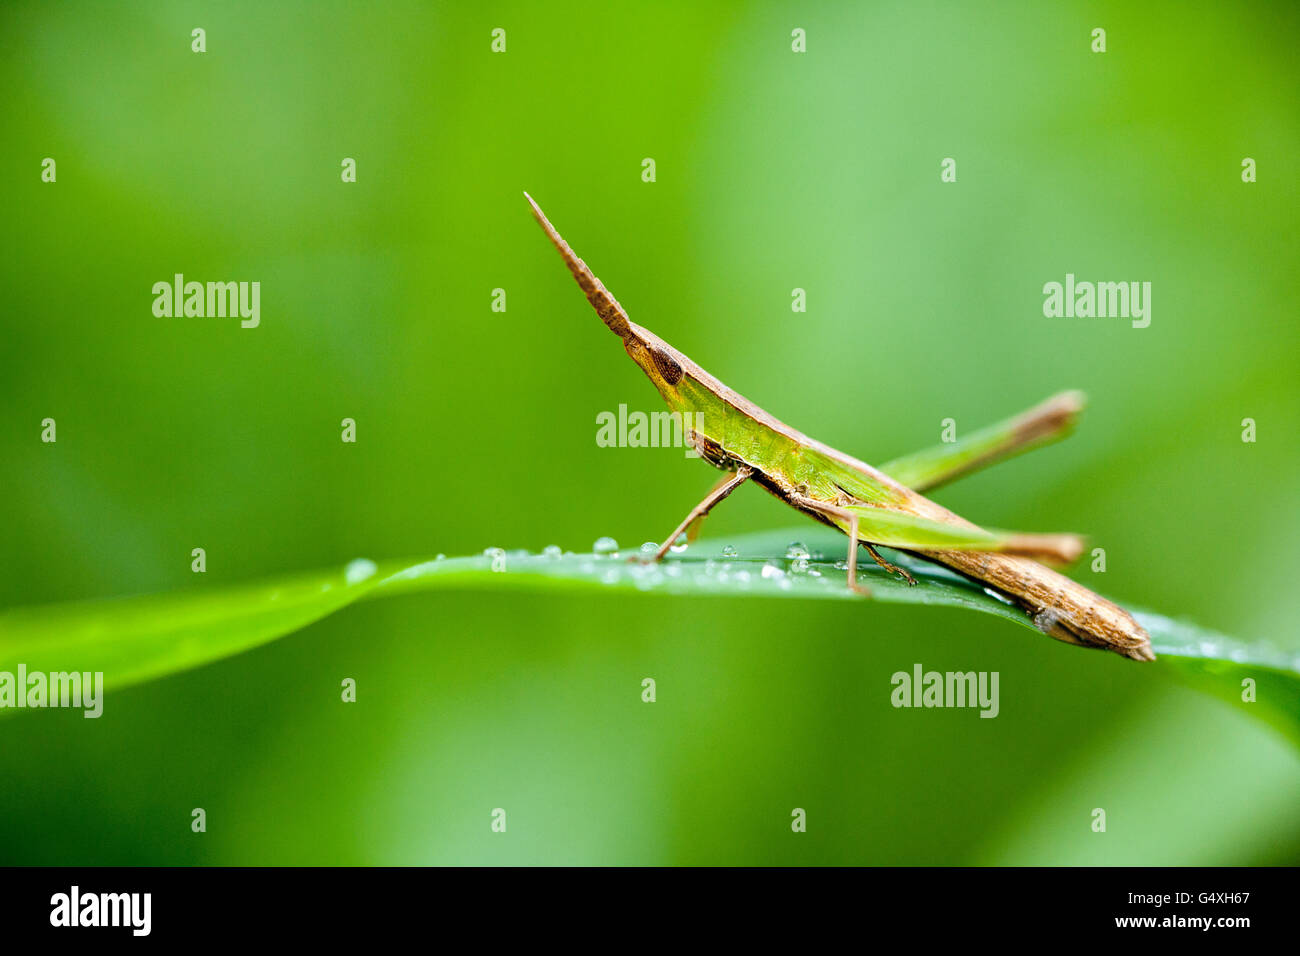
[[649, 548], [358, 570], [605, 545], [551, 551], [729, 552], [798, 557]]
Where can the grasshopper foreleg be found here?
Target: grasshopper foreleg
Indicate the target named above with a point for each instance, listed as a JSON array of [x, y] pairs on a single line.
[[720, 491], [693, 529]]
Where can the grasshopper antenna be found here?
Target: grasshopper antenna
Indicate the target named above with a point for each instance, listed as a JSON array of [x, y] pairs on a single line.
[[606, 306]]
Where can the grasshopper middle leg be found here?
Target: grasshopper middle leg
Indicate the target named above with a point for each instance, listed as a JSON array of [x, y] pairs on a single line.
[[849, 516], [812, 504]]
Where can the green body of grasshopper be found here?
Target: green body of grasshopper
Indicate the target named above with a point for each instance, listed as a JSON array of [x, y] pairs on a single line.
[[874, 506]]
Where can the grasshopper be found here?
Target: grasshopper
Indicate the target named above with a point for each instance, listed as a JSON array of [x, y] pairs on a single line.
[[874, 506]]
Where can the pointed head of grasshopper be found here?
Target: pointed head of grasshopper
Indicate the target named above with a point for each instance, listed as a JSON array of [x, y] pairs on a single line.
[[660, 361]]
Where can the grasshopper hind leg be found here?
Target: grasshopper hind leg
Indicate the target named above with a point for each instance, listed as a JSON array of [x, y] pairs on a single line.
[[891, 568]]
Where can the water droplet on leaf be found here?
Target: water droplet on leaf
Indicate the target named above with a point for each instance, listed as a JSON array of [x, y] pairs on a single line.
[[798, 557], [358, 570]]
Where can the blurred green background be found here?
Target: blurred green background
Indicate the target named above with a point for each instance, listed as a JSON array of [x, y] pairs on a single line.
[[775, 170]]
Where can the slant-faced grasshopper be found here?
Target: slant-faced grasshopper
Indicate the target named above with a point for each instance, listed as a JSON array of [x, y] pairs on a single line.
[[874, 506]]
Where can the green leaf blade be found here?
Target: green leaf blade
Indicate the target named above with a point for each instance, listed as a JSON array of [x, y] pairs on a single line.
[[142, 638]]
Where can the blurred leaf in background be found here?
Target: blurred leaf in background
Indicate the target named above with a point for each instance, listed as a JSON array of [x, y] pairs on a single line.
[[775, 170]]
